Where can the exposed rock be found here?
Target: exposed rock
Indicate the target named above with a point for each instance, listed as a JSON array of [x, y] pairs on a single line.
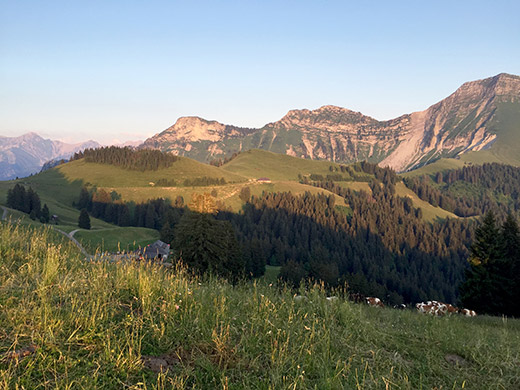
[[19, 354], [458, 124], [456, 360], [161, 363]]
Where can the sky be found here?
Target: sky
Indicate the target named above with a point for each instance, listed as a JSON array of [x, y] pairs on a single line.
[[115, 71]]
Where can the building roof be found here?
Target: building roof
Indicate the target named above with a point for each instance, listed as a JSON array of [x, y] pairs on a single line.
[[157, 249]]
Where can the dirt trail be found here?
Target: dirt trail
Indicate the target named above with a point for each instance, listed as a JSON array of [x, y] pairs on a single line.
[[74, 241]]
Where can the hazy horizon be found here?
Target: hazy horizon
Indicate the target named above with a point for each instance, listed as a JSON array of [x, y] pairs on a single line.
[[126, 70]]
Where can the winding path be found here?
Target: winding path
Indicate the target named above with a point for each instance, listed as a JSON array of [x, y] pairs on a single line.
[[4, 214], [74, 241]]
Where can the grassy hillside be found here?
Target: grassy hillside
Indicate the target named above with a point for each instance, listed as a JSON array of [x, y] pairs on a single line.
[[430, 213], [60, 187], [443, 164], [258, 163], [58, 193], [104, 175], [103, 325]]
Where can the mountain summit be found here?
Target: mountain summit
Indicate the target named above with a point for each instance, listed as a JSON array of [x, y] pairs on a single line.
[[24, 155], [480, 115]]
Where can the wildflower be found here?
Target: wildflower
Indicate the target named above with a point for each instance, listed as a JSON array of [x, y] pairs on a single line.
[[176, 307]]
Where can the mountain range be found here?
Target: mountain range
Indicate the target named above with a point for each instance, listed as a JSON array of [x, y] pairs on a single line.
[[24, 155], [479, 122], [480, 116]]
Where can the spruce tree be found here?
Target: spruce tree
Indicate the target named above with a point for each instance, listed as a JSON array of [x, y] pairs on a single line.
[[510, 265], [45, 214], [85, 199], [84, 220], [484, 288]]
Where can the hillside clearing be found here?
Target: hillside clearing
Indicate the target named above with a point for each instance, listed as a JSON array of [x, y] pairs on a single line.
[[430, 213]]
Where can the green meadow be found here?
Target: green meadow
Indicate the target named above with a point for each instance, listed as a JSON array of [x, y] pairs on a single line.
[[68, 323], [116, 239]]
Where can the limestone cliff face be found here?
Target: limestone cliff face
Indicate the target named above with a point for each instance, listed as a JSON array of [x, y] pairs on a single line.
[[338, 134], [455, 125], [187, 131]]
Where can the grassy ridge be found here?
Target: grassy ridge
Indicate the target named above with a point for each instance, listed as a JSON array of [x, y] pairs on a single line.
[[104, 175], [257, 163], [94, 321]]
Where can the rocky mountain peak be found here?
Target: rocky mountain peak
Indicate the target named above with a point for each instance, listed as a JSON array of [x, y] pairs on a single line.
[[23, 155], [328, 117], [193, 128], [499, 85], [466, 121]]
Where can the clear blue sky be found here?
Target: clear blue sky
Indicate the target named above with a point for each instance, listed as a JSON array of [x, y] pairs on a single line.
[[123, 70]]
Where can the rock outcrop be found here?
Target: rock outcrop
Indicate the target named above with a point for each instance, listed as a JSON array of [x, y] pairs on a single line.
[[465, 121]]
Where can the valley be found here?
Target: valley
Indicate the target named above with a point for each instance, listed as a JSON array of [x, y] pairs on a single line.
[[59, 187]]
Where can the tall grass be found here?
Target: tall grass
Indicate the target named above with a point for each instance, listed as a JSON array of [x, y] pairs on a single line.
[[94, 324]]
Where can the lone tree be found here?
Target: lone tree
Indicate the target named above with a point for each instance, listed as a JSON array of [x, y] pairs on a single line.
[[84, 220], [206, 245], [245, 194]]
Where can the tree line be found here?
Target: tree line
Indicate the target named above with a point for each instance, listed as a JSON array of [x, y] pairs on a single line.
[[128, 158], [27, 201], [471, 190]]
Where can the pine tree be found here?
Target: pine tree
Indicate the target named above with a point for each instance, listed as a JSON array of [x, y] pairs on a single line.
[[84, 220], [85, 200], [34, 202], [483, 289], [45, 214], [510, 265]]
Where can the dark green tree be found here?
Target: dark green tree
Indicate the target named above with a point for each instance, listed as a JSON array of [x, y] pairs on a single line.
[[483, 289], [45, 214], [206, 245], [84, 220], [510, 266], [150, 216], [85, 199]]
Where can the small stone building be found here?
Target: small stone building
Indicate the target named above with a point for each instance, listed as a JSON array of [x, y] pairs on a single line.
[[157, 251]]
